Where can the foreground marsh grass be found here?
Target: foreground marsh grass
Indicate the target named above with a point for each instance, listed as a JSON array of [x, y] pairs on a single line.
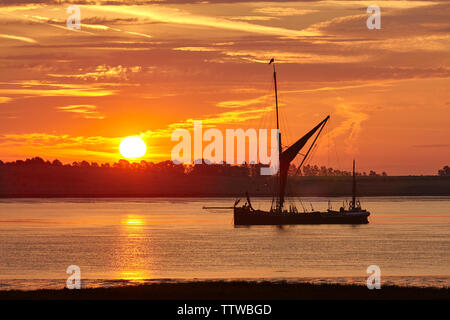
[[235, 290]]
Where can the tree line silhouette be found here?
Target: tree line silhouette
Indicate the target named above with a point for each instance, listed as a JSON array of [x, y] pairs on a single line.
[[169, 168], [37, 177], [444, 172]]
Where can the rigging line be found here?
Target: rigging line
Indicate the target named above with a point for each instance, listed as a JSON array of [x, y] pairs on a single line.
[[262, 120], [293, 198], [283, 125], [261, 125], [312, 145], [266, 86], [301, 203], [308, 158], [289, 131], [268, 99], [313, 153], [271, 102], [337, 156], [328, 146], [334, 145], [298, 198], [282, 118], [268, 122], [286, 129]]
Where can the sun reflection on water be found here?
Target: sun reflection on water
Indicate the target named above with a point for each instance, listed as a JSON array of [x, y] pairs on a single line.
[[138, 276], [131, 260], [133, 221]]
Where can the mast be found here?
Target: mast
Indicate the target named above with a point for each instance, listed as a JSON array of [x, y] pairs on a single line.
[[354, 187], [276, 92], [280, 184], [286, 157]]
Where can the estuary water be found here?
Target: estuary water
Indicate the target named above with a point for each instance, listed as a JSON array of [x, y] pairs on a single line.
[[127, 241]]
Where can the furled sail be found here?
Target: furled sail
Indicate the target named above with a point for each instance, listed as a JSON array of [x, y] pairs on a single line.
[[288, 155]]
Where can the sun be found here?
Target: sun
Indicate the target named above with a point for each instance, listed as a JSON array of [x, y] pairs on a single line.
[[132, 147]]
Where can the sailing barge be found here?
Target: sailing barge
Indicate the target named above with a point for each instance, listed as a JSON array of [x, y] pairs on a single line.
[[246, 215]]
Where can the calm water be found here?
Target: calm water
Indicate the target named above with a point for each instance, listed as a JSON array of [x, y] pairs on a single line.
[[124, 241]]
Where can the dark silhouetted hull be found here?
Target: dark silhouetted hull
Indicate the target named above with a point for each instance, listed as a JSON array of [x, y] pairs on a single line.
[[246, 217]]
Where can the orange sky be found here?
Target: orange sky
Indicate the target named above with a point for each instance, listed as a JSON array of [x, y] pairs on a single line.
[[145, 69]]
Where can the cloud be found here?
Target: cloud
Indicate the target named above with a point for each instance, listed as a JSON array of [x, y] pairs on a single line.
[[45, 89], [322, 88], [85, 110], [62, 146], [396, 4], [18, 38], [350, 127], [253, 18], [103, 72], [234, 117], [196, 49], [228, 117], [92, 23], [5, 99], [383, 3], [263, 56], [104, 20], [177, 16], [243, 103], [139, 34], [416, 43], [409, 19], [59, 92], [127, 2], [432, 146], [284, 11]]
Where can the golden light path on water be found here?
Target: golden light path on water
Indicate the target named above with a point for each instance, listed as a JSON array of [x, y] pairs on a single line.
[[131, 261]]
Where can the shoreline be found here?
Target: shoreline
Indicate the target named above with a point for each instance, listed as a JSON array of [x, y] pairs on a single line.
[[133, 186], [189, 196], [234, 290]]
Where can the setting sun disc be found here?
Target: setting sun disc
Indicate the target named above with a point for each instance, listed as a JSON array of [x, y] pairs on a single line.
[[132, 147]]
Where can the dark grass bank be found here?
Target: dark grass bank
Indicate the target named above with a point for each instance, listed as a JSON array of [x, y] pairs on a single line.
[[235, 290]]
